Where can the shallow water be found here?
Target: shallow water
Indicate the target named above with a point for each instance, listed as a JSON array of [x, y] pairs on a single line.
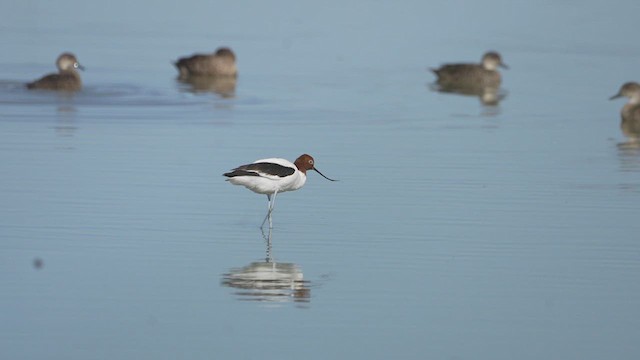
[[456, 231]]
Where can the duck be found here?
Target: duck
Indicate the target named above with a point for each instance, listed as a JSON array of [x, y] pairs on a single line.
[[467, 75], [630, 113], [67, 78], [221, 63]]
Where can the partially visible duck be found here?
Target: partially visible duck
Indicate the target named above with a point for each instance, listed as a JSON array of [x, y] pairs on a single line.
[[630, 112]]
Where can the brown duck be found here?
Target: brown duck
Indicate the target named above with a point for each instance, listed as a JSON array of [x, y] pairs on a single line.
[[630, 112], [67, 78], [484, 74], [220, 63]]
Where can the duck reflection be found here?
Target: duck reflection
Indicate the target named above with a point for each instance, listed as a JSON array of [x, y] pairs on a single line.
[[268, 280], [629, 155], [65, 120], [488, 95], [225, 86]]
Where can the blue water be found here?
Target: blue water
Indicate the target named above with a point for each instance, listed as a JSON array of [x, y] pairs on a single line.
[[457, 230]]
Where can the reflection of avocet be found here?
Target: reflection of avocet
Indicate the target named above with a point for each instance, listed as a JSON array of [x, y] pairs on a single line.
[[268, 281]]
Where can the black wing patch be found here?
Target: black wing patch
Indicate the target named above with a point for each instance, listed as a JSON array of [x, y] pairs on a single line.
[[261, 168]]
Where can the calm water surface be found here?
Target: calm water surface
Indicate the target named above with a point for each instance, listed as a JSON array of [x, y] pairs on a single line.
[[457, 230]]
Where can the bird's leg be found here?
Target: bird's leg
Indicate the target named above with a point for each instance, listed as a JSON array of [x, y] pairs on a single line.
[[272, 202], [268, 211]]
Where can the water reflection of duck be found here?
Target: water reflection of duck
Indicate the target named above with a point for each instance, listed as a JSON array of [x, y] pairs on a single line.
[[224, 86], [67, 78], [220, 63], [630, 112], [268, 280], [488, 95], [629, 157], [480, 75]]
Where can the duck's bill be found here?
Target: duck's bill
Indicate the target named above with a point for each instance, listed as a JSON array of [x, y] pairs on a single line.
[[316, 170], [615, 96]]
